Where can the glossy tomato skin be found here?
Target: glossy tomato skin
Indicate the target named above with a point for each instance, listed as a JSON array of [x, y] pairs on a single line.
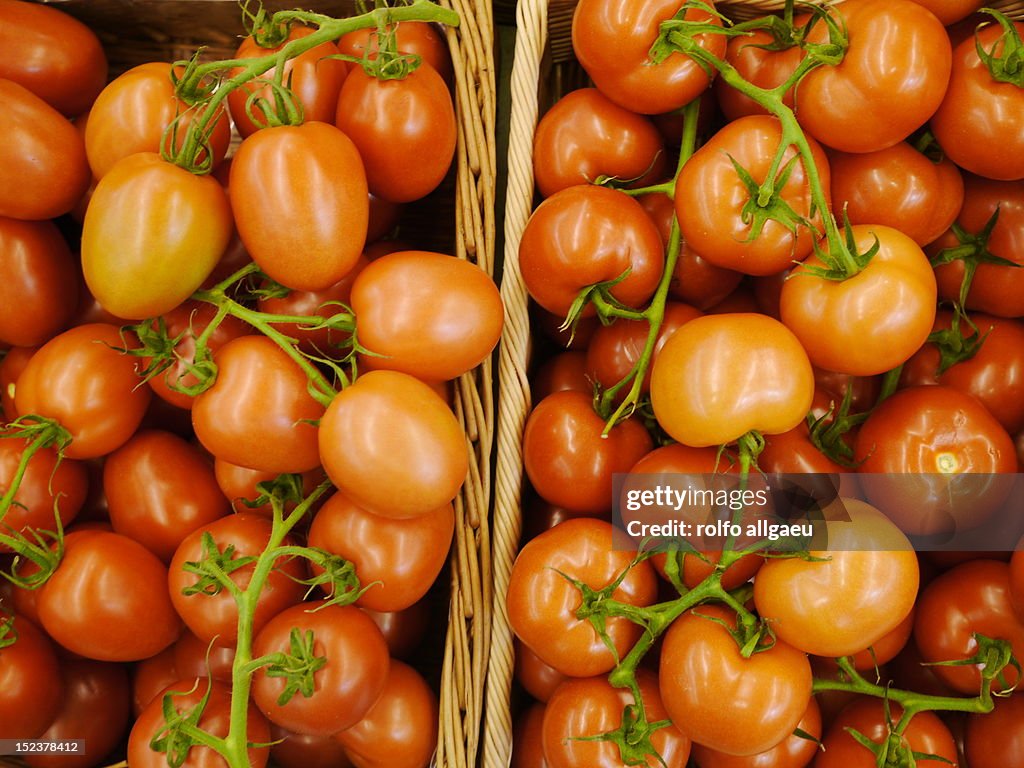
[[585, 235], [400, 730], [346, 687], [536, 676], [792, 752], [108, 599], [872, 321], [612, 41], [82, 381], [393, 446], [396, 560], [152, 235], [213, 618], [215, 720], [566, 370], [259, 390], [404, 129], [38, 282], [238, 484], [52, 54], [11, 366], [879, 93], [974, 122], [301, 750], [973, 597], [430, 315], [710, 199], [586, 135], [303, 234], [159, 489], [996, 739], [527, 748], [542, 604], [591, 706], [869, 563], [995, 375], [897, 187], [43, 170], [416, 38], [720, 376], [313, 78], [758, 701], [567, 460], [761, 66], [30, 683]]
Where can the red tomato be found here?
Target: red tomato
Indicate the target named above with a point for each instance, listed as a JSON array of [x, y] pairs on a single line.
[[793, 752], [152, 235], [712, 202], [760, 64], [951, 11], [392, 445], [313, 77], [51, 53], [400, 730], [238, 484], [868, 563], [612, 42], [159, 489], [527, 748], [715, 696], [301, 750], [897, 187], [345, 687], [566, 370], [542, 604], [879, 93], [404, 129], [259, 391], [721, 376], [411, 37], [212, 614], [31, 688], [586, 135], [432, 316], [996, 740], [974, 123], [195, 658], [81, 380], [972, 598], [538, 678], [38, 281], [215, 719], [108, 599], [396, 560], [567, 460], [872, 321], [43, 170], [303, 233], [404, 631], [11, 366], [1017, 580], [585, 235], [591, 706]]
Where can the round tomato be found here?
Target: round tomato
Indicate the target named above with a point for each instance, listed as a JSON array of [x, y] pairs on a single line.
[[795, 751], [721, 376], [996, 740], [567, 370], [400, 730], [38, 281], [715, 696], [868, 323], [212, 614], [760, 62], [538, 678], [303, 233], [11, 365], [527, 748], [313, 77], [717, 212], [238, 484], [152, 235], [542, 603], [879, 93], [348, 684], [585, 235], [81, 379], [612, 42], [43, 168], [974, 123], [31, 688], [404, 129], [261, 391], [432, 316], [416, 38], [108, 599], [302, 750], [392, 445], [868, 562]]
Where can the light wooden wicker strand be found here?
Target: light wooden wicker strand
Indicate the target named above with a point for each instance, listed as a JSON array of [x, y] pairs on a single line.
[[531, 38]]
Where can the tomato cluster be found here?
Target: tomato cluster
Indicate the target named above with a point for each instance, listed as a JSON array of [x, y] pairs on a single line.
[[229, 454], [827, 284]]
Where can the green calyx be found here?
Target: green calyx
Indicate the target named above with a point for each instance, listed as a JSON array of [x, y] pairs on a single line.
[[1005, 59]]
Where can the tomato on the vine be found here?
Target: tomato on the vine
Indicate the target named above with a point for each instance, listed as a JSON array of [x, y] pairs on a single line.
[[31, 688], [795, 751], [996, 740]]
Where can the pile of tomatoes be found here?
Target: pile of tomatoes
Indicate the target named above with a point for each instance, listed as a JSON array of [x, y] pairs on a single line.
[[788, 245], [229, 455]]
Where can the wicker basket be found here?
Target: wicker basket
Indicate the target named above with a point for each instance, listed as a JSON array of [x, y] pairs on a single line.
[[459, 218], [544, 68]]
